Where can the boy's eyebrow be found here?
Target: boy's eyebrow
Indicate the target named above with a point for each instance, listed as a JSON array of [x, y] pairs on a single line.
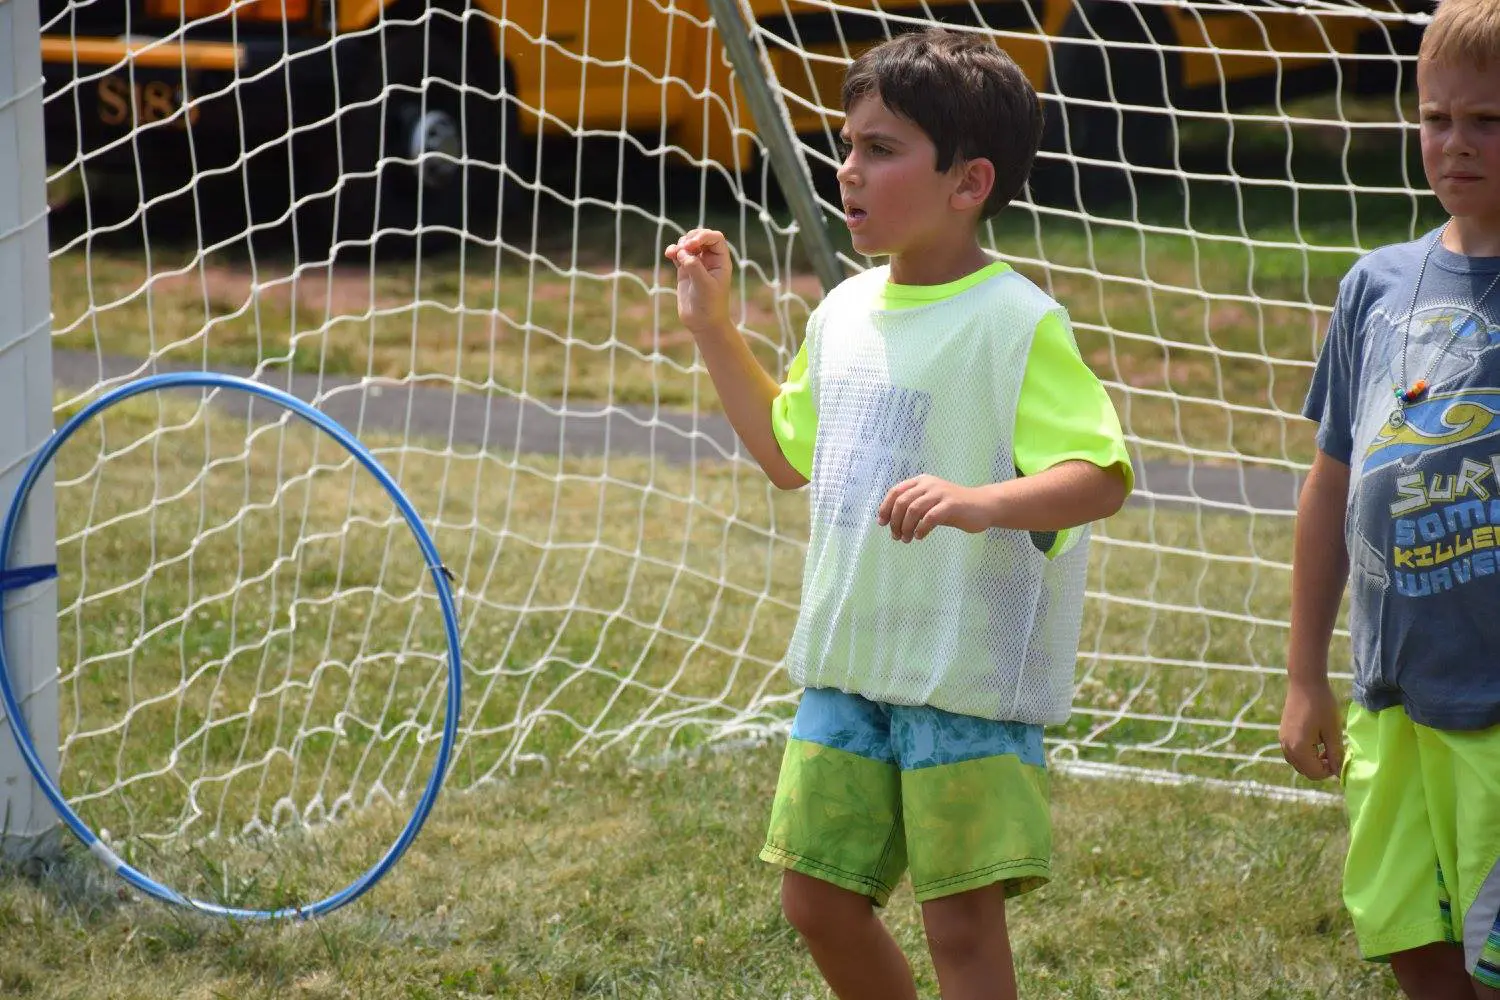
[[1481, 107], [869, 136]]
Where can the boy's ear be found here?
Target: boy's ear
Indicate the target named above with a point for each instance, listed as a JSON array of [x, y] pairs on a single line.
[[976, 179]]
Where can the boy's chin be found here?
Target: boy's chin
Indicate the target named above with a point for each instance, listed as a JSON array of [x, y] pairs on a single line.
[[1468, 202], [1480, 220]]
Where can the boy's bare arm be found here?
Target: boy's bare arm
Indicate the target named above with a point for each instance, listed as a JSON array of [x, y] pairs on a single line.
[[747, 392], [704, 276], [1062, 497], [1311, 730]]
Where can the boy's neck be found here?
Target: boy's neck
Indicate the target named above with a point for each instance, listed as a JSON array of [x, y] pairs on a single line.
[[938, 266], [1473, 237]]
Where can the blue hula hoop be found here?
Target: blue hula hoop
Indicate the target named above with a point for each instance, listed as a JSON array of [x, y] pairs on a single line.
[[30, 575]]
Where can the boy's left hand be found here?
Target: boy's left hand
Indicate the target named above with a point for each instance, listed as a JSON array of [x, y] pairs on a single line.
[[915, 507]]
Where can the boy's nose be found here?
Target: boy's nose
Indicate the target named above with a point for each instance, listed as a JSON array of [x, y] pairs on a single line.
[[1458, 143]]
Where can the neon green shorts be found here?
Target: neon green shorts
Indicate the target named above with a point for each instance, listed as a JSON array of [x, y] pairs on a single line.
[[1424, 837], [868, 789]]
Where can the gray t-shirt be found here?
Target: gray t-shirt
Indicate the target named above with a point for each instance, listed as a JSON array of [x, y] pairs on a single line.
[[1423, 525]]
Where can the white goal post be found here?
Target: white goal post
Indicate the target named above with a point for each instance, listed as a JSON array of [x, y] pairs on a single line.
[[26, 820], [442, 223]]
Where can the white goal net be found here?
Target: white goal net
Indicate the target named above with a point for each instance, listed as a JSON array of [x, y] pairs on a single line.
[[443, 226]]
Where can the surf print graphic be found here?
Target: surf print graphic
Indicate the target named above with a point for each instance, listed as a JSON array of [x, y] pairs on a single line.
[[1427, 505]]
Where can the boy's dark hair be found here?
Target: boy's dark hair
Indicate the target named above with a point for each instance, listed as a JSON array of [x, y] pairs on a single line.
[[966, 93]]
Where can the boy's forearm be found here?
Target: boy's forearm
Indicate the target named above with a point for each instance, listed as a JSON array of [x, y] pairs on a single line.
[[1065, 496], [747, 391], [1320, 569]]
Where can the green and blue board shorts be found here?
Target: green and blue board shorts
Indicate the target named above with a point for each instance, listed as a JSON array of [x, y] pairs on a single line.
[[1424, 838], [868, 790]]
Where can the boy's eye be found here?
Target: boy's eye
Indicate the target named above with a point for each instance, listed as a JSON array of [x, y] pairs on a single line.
[[879, 150]]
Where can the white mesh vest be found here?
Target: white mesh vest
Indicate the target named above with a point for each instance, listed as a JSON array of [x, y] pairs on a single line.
[[982, 625]]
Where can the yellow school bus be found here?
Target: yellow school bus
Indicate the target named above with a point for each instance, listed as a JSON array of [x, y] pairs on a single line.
[[445, 100], [1199, 56]]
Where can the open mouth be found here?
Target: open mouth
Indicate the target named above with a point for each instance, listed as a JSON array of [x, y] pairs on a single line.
[[854, 216]]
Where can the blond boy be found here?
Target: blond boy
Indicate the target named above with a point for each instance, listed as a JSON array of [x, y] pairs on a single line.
[[1403, 503]]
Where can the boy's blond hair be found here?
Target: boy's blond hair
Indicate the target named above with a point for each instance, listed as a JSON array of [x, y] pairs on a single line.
[[1463, 32]]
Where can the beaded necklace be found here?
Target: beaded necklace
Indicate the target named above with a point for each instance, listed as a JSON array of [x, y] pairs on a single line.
[[1416, 390]]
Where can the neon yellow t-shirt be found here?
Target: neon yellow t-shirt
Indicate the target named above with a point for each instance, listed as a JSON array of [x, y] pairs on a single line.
[[1063, 412]]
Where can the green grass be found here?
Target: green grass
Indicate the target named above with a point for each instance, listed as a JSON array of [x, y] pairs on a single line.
[[249, 635], [609, 880]]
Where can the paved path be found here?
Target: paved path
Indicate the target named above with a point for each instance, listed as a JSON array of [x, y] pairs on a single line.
[[505, 423]]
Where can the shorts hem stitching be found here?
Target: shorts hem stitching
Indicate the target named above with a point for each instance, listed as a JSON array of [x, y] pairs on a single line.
[[1379, 947], [829, 873], [1034, 867]]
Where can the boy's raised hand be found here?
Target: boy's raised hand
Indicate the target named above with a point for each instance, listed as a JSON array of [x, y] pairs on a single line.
[[704, 272], [1312, 738]]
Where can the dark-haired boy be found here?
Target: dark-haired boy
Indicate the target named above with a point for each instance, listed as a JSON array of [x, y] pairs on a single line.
[[942, 391]]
